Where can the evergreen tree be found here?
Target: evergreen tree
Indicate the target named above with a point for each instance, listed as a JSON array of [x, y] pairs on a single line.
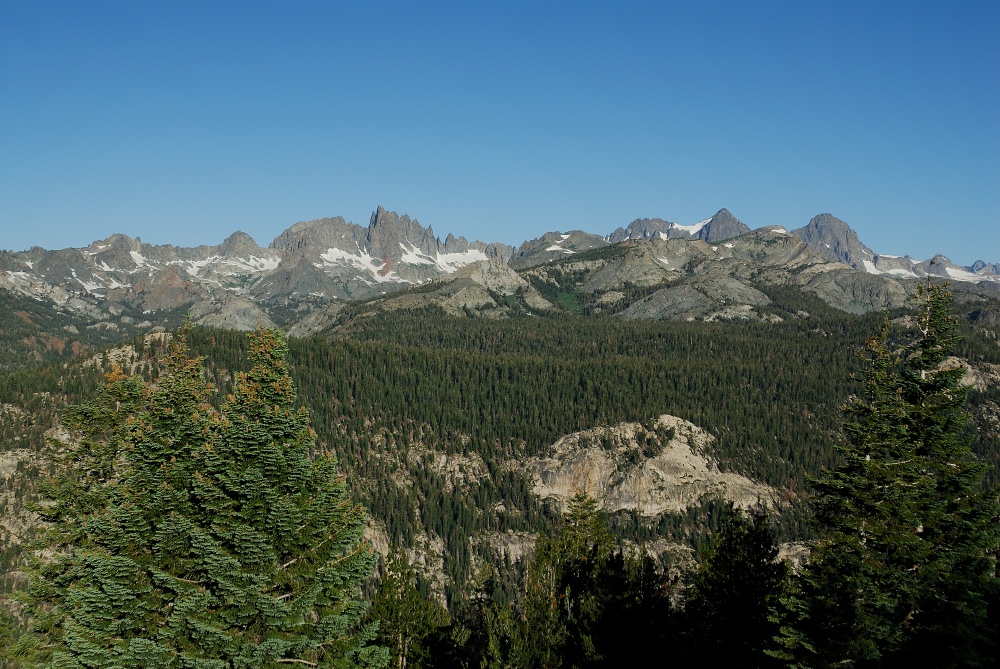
[[960, 522], [563, 600], [200, 538], [587, 603], [906, 566], [729, 605], [407, 619], [8, 638]]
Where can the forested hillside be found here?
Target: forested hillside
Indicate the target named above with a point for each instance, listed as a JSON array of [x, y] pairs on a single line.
[[394, 393], [32, 331]]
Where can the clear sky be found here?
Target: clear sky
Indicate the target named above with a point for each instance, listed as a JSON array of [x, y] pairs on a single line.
[[183, 121]]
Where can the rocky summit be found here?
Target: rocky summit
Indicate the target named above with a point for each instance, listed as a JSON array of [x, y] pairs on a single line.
[[712, 269], [723, 225]]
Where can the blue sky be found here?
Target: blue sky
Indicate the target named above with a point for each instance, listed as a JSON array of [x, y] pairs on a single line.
[[181, 122]]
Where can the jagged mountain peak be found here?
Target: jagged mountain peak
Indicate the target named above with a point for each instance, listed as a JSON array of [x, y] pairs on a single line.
[[391, 235], [117, 241], [641, 228], [983, 267], [722, 225], [316, 262], [839, 242], [239, 244], [315, 236], [382, 217], [836, 240], [828, 224]]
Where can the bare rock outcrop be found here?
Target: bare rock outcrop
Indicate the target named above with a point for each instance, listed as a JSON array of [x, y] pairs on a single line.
[[651, 471]]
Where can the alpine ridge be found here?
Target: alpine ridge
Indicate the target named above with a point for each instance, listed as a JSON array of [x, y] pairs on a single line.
[[708, 270]]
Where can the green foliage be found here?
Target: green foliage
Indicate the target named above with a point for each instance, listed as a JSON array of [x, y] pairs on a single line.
[[407, 620], [9, 651], [393, 393], [731, 599], [586, 603], [906, 567], [32, 331], [184, 536]]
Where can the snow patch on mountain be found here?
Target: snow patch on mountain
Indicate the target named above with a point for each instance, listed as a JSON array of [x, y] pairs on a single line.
[[965, 275], [901, 273], [692, 229], [241, 265], [446, 262], [413, 256], [334, 257], [450, 262]]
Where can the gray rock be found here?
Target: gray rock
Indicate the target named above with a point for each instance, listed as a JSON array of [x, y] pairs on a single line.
[[836, 240]]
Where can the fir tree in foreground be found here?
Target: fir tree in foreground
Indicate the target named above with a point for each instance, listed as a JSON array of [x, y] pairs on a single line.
[[906, 572], [183, 536]]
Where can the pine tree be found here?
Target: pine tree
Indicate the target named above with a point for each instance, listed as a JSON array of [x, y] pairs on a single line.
[[906, 566], [588, 604], [729, 603], [564, 599], [200, 538], [8, 638], [959, 521], [406, 618]]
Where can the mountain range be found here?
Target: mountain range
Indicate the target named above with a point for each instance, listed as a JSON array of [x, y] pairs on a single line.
[[708, 270]]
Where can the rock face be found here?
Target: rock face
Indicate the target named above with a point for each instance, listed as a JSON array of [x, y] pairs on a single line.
[[856, 292], [643, 228], [710, 298], [391, 252], [480, 287], [836, 240], [722, 226], [839, 242], [554, 246], [16, 522], [705, 281], [985, 268], [648, 470]]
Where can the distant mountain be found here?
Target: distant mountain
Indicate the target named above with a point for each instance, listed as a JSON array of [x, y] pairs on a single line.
[[839, 242], [315, 265], [237, 283], [836, 240], [723, 225], [554, 246], [393, 249], [984, 268]]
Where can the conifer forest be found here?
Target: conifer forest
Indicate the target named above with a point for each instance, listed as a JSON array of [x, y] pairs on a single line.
[[369, 497]]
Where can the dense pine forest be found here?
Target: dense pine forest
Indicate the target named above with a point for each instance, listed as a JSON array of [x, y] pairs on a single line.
[[384, 392]]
